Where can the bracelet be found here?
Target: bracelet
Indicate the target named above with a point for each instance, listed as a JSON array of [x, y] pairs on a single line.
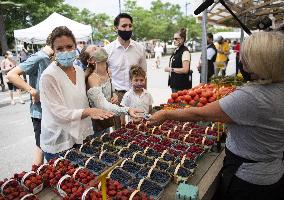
[[172, 69]]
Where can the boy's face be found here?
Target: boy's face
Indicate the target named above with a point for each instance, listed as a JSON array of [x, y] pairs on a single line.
[[138, 82]]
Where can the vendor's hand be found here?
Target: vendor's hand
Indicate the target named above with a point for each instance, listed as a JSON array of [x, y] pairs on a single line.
[[135, 112], [96, 113], [114, 99], [158, 117], [35, 95], [167, 69]]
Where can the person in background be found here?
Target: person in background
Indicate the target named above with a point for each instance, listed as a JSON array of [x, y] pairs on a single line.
[[223, 52], [99, 88], [23, 55], [34, 67], [2, 84], [211, 57], [237, 48], [180, 77], [7, 65], [138, 96], [123, 53], [66, 115], [158, 54], [253, 167]]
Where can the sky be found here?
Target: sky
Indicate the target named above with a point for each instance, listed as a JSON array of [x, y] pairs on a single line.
[[111, 7]]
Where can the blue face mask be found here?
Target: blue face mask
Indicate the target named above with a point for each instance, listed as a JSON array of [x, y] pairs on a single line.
[[66, 58]]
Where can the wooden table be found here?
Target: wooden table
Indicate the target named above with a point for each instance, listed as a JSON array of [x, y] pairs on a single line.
[[205, 177]]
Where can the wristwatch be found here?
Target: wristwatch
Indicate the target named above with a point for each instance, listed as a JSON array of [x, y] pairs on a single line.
[[172, 69]]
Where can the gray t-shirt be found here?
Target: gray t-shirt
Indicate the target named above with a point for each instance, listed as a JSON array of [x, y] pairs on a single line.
[[257, 131]]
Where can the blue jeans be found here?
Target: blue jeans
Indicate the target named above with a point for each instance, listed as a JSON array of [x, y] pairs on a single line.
[[50, 156]]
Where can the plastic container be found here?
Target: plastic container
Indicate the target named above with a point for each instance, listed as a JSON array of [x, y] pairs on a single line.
[[68, 187], [151, 188], [83, 175], [89, 150]]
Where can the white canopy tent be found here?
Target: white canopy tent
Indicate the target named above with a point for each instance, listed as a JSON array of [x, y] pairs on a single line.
[[38, 34]]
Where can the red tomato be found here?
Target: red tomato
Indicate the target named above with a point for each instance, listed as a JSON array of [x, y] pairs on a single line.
[[179, 99], [171, 100], [192, 102], [187, 98], [203, 100], [180, 93], [191, 93], [199, 105], [184, 92], [174, 95], [198, 91], [212, 99], [196, 98]]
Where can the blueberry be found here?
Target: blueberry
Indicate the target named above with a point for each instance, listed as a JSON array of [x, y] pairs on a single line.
[[131, 167], [89, 150], [162, 165], [168, 157], [135, 147], [120, 142], [143, 172], [109, 158], [142, 160], [189, 164], [151, 188], [126, 153], [160, 177], [183, 172], [171, 169], [97, 144], [121, 176], [134, 183], [76, 157], [109, 148], [152, 153], [96, 166]]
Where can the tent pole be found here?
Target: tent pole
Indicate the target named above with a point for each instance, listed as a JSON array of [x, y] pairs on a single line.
[[204, 66], [16, 46]]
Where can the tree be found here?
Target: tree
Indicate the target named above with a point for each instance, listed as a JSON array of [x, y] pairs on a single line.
[[4, 7]]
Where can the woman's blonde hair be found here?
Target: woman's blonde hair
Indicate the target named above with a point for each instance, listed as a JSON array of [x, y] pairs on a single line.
[[263, 54]]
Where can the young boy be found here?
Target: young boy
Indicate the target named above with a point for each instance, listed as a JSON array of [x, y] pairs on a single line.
[[137, 96]]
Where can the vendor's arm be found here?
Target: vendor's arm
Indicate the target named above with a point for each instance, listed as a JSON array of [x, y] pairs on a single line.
[[211, 112]]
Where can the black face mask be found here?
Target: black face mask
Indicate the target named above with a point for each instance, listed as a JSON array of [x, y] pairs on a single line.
[[125, 35]]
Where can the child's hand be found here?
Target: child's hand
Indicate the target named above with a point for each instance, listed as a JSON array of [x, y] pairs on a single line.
[[114, 99], [135, 112]]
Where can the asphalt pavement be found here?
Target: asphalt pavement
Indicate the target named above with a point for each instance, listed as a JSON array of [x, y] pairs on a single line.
[[16, 132]]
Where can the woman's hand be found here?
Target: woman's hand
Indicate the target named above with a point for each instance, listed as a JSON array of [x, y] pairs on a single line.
[[167, 69], [34, 94], [114, 99], [96, 113], [158, 117], [134, 112]]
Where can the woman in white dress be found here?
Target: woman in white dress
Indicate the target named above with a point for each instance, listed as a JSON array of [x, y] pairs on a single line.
[[100, 93], [66, 115]]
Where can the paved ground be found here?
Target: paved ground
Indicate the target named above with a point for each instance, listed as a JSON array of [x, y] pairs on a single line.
[[16, 132]]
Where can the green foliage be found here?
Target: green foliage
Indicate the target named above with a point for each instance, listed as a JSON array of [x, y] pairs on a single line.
[[161, 21]]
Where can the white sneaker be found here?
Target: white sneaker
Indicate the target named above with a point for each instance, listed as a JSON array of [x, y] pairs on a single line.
[[13, 102], [22, 102]]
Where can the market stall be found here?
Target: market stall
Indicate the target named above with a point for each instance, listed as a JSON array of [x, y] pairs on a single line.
[[139, 161]]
